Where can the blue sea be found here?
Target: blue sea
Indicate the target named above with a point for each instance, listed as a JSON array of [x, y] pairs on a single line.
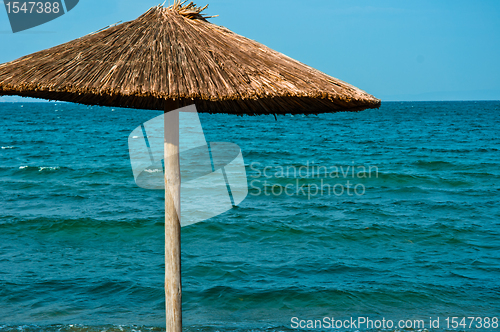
[[413, 233]]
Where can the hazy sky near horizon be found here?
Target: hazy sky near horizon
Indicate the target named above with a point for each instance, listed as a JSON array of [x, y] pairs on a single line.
[[395, 50]]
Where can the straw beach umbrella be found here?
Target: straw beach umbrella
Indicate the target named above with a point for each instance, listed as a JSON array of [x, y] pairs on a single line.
[[171, 57]]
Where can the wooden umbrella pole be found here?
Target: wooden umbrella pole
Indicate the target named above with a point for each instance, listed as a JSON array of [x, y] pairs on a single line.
[[173, 292]]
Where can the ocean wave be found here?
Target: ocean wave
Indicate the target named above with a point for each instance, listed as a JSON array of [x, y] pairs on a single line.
[[432, 163], [79, 328], [422, 180], [463, 150], [8, 147], [212, 327], [58, 223], [81, 171], [40, 168]]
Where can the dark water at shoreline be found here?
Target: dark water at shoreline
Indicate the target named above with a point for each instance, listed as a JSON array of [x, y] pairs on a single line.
[[80, 243]]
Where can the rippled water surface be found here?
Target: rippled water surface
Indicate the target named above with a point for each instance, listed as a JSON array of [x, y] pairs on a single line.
[[415, 233]]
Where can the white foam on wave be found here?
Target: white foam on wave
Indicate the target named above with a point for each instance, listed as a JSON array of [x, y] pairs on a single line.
[[42, 168], [8, 147], [156, 170]]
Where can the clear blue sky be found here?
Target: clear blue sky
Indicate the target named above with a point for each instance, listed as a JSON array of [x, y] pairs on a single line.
[[395, 50]]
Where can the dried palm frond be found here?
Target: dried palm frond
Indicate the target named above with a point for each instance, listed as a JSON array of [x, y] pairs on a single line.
[[190, 10]]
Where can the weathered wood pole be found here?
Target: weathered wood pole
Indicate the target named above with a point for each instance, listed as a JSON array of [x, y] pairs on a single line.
[[173, 289]]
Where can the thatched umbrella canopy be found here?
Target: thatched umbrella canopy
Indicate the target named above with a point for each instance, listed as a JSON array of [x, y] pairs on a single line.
[[175, 53], [173, 57]]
